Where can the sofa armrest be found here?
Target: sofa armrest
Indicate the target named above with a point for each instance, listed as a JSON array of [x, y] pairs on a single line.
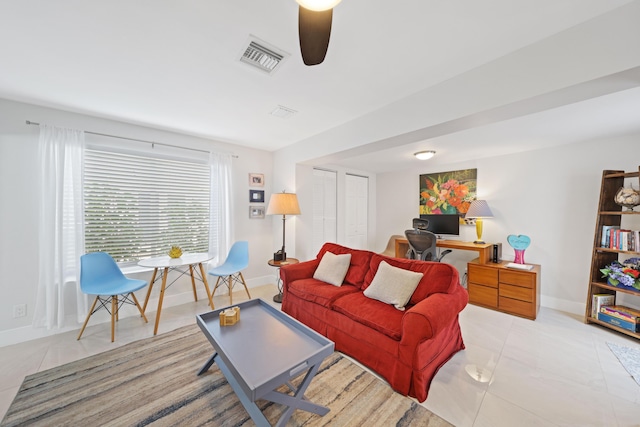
[[430, 316], [292, 272]]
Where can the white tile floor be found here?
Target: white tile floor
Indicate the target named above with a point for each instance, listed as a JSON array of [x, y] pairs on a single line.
[[555, 371]]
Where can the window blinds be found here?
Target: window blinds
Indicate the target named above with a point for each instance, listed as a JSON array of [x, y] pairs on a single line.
[[137, 206]]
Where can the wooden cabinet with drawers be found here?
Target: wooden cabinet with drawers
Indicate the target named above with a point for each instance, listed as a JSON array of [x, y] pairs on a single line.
[[505, 289]]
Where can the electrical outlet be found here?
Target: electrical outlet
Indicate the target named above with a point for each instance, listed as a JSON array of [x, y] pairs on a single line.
[[19, 310]]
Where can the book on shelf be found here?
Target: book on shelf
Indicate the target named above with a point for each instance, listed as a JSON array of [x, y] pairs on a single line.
[[625, 242], [621, 312], [616, 240], [612, 320], [606, 235], [614, 237], [599, 300]]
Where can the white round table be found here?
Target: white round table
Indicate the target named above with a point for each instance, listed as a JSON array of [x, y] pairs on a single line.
[[165, 264]]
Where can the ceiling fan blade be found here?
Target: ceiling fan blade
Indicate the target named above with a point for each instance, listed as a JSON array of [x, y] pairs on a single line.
[[314, 30]]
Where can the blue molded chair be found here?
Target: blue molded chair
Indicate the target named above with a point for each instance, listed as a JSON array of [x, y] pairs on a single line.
[[101, 276], [230, 271]]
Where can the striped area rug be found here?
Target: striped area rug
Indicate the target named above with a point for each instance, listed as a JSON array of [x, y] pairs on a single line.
[[154, 382]]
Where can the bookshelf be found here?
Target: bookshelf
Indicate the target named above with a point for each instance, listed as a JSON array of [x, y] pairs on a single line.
[[609, 214]]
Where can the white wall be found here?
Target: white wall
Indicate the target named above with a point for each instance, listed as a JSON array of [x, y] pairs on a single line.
[[19, 208], [592, 59], [577, 64], [551, 195]]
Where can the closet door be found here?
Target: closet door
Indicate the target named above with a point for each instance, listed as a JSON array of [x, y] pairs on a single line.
[[356, 212], [324, 207]]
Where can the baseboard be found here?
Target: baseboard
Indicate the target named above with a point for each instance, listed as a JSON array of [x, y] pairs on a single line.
[[572, 307], [28, 333]]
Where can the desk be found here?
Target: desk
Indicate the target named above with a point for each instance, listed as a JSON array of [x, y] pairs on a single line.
[[166, 264], [272, 263], [483, 249]]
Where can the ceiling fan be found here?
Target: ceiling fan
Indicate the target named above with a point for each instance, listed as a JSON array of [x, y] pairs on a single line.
[[314, 28]]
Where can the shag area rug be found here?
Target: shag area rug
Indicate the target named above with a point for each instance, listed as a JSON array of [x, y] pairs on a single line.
[[629, 358], [154, 382]]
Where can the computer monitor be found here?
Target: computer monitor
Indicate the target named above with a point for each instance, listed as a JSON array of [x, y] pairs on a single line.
[[443, 224]]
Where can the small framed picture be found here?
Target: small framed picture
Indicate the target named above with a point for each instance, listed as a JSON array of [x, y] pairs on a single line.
[[256, 180], [256, 212], [256, 196]]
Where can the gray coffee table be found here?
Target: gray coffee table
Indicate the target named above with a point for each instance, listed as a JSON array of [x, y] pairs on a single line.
[[264, 350]]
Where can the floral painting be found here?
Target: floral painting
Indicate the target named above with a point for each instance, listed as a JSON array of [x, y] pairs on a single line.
[[447, 192]]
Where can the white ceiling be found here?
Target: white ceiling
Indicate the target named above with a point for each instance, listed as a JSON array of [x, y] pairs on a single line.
[[174, 65]]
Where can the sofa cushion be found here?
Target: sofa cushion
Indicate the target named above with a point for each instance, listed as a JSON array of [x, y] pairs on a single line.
[[318, 291], [333, 268], [439, 277], [382, 317], [393, 285], [359, 262]]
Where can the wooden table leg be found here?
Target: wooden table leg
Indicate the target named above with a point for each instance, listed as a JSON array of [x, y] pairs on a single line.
[[206, 285], [164, 284], [135, 300], [193, 283], [153, 279], [114, 304]]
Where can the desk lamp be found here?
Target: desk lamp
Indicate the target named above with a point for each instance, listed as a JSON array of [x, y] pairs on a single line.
[[283, 204], [479, 209]]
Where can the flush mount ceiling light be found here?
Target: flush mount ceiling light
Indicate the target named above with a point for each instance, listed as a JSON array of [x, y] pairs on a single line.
[[424, 155]]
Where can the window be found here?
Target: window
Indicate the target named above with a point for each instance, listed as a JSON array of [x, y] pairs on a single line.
[[138, 205]]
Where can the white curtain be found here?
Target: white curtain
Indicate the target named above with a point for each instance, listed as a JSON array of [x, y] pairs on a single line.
[[220, 231], [61, 227]]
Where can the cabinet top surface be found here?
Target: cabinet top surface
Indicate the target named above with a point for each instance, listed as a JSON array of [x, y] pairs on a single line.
[[503, 265]]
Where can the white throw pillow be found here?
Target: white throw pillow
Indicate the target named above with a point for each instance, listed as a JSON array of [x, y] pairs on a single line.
[[393, 285], [333, 268]]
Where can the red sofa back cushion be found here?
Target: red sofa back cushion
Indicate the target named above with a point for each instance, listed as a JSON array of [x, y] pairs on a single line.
[[359, 262], [438, 277]]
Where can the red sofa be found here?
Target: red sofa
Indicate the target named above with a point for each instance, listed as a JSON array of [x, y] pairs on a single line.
[[405, 347]]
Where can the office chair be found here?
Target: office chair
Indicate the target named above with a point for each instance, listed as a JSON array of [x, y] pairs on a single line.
[[420, 224], [229, 273], [422, 245], [100, 275]]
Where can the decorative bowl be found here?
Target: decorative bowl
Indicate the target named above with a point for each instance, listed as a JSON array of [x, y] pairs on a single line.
[[175, 252], [627, 197]]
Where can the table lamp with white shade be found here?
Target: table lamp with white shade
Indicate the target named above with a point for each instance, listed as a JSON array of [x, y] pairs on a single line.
[[479, 209], [283, 204]]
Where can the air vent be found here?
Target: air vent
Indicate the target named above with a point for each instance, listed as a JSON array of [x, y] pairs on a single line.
[[262, 56], [283, 112]]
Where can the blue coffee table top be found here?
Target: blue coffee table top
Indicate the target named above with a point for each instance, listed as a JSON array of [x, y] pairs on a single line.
[[265, 347]]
